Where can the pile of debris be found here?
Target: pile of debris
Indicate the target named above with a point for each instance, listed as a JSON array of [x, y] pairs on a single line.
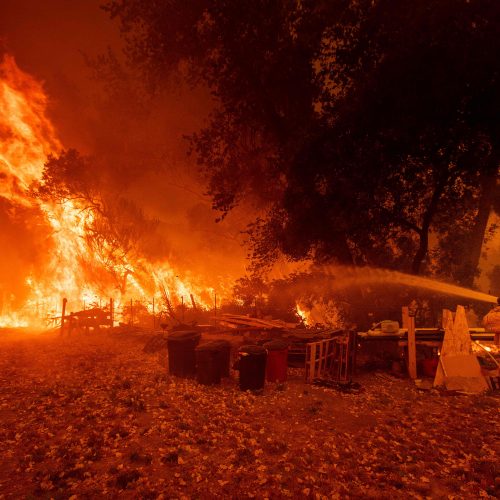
[[238, 322], [459, 368]]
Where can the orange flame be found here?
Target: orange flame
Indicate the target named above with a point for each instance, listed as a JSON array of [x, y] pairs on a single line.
[[27, 139], [302, 314], [320, 312]]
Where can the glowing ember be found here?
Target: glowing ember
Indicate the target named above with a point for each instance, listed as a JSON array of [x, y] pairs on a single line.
[[71, 267]]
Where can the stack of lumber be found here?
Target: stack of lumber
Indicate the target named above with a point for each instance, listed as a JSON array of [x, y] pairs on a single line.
[[248, 322], [305, 336]]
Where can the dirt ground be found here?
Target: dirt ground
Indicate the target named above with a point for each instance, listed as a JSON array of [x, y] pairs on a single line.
[[93, 416]]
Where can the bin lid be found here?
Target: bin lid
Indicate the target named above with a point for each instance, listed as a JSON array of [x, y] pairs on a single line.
[[252, 349], [208, 346], [222, 344], [183, 335], [276, 345]]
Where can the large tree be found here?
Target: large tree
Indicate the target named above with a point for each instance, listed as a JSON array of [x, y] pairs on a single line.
[[423, 90], [116, 232], [363, 129]]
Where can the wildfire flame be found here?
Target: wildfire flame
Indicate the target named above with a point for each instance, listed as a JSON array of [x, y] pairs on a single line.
[[302, 314], [320, 312], [27, 139]]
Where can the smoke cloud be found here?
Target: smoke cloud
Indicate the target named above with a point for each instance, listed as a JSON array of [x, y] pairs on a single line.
[[135, 142]]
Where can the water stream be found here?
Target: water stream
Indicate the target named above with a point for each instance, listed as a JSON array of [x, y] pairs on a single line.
[[349, 276]]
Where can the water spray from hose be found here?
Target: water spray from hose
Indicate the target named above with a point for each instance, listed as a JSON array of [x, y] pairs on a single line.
[[346, 277]]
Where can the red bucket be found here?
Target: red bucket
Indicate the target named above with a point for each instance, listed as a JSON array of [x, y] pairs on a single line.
[[429, 366]]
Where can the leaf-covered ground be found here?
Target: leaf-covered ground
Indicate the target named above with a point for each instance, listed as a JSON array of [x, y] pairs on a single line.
[[93, 416]]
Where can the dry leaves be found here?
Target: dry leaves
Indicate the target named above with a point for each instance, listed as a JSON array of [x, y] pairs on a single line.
[[94, 416]]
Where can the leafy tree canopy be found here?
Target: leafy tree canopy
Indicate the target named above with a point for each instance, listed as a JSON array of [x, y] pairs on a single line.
[[364, 129]]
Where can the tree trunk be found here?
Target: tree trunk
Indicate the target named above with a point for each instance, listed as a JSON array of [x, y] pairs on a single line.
[[489, 190], [421, 253], [423, 247]]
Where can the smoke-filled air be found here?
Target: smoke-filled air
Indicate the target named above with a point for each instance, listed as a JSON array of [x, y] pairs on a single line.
[[75, 244], [249, 249]]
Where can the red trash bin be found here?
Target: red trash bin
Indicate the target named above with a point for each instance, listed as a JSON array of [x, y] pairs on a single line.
[[277, 360], [429, 366]]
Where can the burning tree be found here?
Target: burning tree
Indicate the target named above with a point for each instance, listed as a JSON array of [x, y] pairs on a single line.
[[79, 239], [115, 229]]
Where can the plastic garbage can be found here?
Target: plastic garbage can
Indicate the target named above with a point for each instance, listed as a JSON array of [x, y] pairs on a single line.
[[277, 360], [181, 353], [224, 350], [208, 369], [252, 367]]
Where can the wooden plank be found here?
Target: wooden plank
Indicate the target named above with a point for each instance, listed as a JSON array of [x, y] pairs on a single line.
[[405, 315], [463, 373], [446, 316], [412, 348], [328, 357], [321, 358], [448, 331], [312, 372], [308, 362], [459, 369], [461, 335]]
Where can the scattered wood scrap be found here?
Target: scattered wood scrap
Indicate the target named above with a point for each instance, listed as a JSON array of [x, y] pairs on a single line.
[[346, 387], [458, 368], [238, 321]]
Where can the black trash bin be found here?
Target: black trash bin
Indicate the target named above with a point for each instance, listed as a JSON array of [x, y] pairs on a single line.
[[208, 369], [224, 349], [181, 354], [252, 367]]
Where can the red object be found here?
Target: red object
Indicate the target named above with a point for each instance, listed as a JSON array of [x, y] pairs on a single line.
[[277, 362], [429, 366]]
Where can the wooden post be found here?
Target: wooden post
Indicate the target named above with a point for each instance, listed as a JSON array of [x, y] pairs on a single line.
[[154, 319], [182, 307], [192, 301], [131, 312], [312, 362], [447, 314], [111, 312], [412, 347], [65, 301], [215, 309], [404, 317]]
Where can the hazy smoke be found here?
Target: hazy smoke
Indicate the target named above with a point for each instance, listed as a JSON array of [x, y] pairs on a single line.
[[137, 141]]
